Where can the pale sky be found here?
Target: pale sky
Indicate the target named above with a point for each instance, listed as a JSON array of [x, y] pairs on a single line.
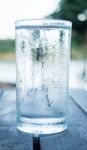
[[12, 10]]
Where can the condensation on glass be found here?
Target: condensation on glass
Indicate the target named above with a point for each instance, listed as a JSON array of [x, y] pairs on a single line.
[[42, 63]]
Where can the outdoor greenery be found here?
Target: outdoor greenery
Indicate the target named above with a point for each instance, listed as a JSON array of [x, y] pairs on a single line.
[[76, 12], [7, 49], [7, 45]]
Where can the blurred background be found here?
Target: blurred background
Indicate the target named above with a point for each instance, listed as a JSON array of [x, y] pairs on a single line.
[[72, 10]]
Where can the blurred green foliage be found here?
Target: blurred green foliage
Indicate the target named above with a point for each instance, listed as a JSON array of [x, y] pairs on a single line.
[[7, 50], [7, 45], [70, 10], [76, 12]]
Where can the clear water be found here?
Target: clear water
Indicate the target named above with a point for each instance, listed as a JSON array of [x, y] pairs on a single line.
[[42, 79]]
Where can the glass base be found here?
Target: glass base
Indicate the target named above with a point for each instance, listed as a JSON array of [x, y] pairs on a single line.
[[40, 126]]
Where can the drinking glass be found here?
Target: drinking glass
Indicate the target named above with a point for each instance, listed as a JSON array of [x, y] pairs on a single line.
[[42, 66]]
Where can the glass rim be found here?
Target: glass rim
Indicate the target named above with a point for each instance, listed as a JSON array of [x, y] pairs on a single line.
[[43, 23]]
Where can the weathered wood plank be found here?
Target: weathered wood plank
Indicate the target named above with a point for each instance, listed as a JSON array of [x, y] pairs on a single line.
[[80, 97], [13, 140], [10, 139], [75, 138], [8, 107]]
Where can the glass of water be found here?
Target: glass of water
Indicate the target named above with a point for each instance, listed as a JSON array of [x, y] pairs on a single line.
[[42, 65]]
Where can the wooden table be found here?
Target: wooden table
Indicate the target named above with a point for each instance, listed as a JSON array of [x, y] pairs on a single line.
[[75, 138]]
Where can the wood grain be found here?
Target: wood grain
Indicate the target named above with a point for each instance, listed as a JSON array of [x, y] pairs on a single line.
[[80, 97], [75, 138]]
